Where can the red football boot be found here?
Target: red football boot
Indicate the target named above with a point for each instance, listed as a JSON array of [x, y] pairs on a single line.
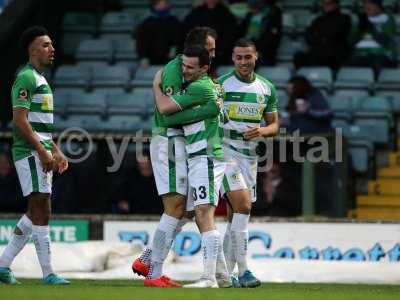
[[156, 282], [171, 282], [140, 268]]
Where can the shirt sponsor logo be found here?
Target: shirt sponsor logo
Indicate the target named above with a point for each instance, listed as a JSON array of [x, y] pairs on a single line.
[[260, 98]]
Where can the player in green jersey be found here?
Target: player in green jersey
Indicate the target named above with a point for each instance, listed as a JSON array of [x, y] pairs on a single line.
[[205, 156], [35, 155], [249, 99], [168, 157]]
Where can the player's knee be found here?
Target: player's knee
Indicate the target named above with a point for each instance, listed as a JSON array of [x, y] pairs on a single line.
[[189, 214], [18, 231]]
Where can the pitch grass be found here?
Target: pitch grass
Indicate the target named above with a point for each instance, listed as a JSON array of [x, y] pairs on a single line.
[[129, 289]]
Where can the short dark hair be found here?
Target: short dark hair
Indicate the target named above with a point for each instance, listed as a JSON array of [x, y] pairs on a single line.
[[245, 42], [198, 36], [30, 34], [200, 52]]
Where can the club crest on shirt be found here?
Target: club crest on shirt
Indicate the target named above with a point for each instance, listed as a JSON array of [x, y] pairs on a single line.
[[169, 90], [23, 94], [260, 98]]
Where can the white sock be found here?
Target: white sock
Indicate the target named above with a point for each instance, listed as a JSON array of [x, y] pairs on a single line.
[[145, 257], [181, 223], [240, 236], [162, 241], [209, 245], [17, 242], [222, 270], [41, 239], [228, 249]]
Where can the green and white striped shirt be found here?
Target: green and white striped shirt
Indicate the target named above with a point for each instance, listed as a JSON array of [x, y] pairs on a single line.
[[203, 137], [246, 102], [31, 91]]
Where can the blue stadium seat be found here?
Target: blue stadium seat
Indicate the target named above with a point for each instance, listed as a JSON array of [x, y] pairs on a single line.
[[283, 99], [288, 24], [118, 22], [125, 50], [79, 22], [72, 76], [320, 77], [111, 76], [126, 104], [279, 76], [123, 123], [388, 79], [303, 19], [376, 112], [87, 104], [288, 47], [222, 70], [95, 49], [70, 41], [394, 99], [144, 76], [342, 108], [351, 94], [355, 78]]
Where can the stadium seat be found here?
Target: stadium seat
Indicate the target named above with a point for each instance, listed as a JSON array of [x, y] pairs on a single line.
[[95, 49], [360, 145], [224, 69], [79, 22], [118, 22], [283, 99], [70, 41], [72, 76], [122, 123], [388, 79], [350, 94], [376, 112], [342, 108], [394, 99], [87, 104], [303, 19], [134, 3], [288, 24], [61, 98], [125, 50], [354, 78], [144, 76], [320, 77], [288, 47], [111, 76], [89, 122], [298, 4], [339, 123], [279, 76], [145, 95], [126, 104], [180, 13]]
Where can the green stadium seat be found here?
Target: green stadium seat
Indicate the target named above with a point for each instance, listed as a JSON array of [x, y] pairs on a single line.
[[71, 41], [279, 76], [95, 50], [388, 79], [355, 78], [71, 76], [79, 22], [320, 77], [118, 22], [111, 76], [144, 76]]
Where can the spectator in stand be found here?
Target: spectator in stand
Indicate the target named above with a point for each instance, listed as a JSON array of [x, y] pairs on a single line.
[[327, 38], [159, 35], [308, 109], [263, 24], [215, 14], [137, 193], [375, 43], [10, 192]]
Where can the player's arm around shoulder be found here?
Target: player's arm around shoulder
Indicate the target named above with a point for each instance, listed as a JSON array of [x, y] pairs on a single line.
[[165, 104]]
